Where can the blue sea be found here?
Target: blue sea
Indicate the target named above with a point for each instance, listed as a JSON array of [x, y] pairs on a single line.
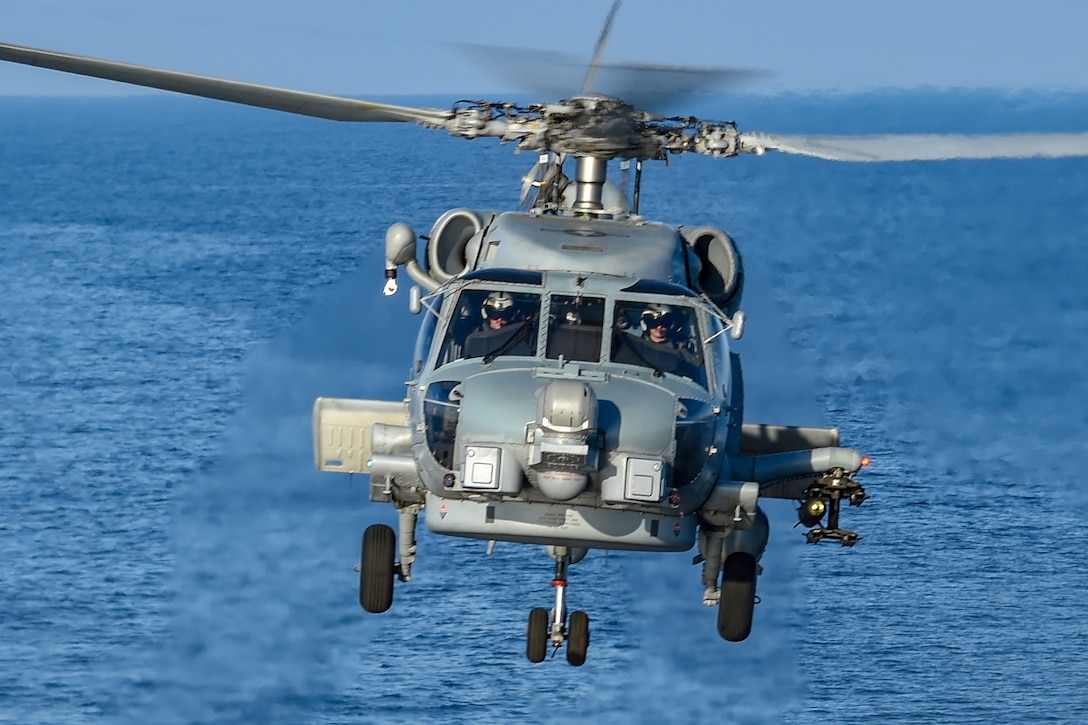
[[180, 278]]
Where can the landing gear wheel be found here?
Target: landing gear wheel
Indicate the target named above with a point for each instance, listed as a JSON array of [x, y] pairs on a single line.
[[378, 569], [738, 597], [536, 637], [578, 638]]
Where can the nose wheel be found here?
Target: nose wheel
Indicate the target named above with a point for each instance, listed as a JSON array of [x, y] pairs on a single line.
[[536, 646], [578, 638], [553, 628]]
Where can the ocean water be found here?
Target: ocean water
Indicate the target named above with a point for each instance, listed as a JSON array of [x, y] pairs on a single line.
[[181, 278]]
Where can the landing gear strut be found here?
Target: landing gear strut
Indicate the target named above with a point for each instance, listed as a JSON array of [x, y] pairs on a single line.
[[545, 627]]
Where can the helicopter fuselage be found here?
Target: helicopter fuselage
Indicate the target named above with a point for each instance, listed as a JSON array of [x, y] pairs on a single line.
[[569, 424], [572, 385], [620, 441], [602, 408]]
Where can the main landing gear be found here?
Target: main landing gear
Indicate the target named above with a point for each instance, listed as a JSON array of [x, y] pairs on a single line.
[[553, 627], [738, 597], [379, 567]]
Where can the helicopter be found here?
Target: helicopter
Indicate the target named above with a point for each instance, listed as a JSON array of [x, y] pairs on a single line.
[[573, 384]]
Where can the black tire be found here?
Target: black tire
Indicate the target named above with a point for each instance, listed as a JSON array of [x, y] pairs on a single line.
[[738, 597], [578, 638], [536, 637], [378, 569]]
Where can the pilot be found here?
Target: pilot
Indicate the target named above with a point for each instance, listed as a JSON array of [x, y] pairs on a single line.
[[498, 309], [500, 326], [657, 323], [658, 348]]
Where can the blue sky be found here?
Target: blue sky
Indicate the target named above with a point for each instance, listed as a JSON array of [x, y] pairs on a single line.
[[370, 48]]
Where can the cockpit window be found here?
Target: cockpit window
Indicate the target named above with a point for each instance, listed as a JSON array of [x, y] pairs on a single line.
[[425, 338], [664, 338], [575, 325], [491, 323]]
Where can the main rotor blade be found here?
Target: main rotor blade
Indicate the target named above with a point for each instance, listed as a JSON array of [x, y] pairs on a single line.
[[657, 88], [922, 147], [661, 88], [587, 84], [279, 99]]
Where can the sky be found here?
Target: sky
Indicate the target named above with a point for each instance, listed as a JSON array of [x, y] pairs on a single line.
[[372, 48]]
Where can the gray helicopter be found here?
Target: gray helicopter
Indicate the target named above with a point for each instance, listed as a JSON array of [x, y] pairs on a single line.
[[573, 383]]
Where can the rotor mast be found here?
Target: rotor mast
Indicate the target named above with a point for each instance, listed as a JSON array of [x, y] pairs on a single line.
[[589, 177]]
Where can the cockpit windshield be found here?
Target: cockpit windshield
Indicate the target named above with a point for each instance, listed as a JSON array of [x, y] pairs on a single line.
[[575, 326], [491, 323], [664, 338]]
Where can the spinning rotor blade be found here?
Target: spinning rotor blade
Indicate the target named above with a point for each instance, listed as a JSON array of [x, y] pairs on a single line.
[[922, 147], [662, 87], [653, 87], [279, 99], [585, 125], [587, 84]]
